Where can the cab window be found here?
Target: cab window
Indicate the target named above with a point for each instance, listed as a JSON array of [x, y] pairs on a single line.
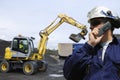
[[20, 45]]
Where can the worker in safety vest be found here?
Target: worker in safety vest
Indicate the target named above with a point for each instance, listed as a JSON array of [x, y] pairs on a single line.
[[22, 47]]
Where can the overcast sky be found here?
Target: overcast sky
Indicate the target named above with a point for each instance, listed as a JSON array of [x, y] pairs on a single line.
[[29, 17]]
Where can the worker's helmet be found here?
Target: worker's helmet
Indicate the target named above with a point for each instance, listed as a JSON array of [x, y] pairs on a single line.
[[98, 12], [103, 12]]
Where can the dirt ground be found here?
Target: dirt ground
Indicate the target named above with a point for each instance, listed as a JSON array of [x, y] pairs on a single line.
[[54, 71]]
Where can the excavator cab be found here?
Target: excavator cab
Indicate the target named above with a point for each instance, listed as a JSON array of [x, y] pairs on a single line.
[[22, 46]]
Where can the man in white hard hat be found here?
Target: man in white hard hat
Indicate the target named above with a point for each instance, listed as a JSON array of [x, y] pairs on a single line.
[[99, 58]]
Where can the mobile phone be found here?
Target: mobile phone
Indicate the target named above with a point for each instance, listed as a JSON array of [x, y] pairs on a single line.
[[105, 27]]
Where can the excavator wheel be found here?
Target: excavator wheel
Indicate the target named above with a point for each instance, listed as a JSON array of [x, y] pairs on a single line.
[[29, 67], [44, 66], [5, 66]]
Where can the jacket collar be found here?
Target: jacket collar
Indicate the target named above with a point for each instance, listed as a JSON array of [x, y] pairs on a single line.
[[114, 41]]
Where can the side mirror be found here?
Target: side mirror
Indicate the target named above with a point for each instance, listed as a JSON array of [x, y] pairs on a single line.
[[32, 38]]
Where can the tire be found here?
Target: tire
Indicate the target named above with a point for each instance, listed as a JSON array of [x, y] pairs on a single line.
[[44, 66], [30, 67], [5, 66]]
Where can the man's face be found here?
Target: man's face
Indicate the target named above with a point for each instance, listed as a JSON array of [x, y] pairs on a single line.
[[97, 23]]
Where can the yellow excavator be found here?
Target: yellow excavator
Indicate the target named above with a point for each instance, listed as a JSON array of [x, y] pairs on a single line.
[[23, 55]]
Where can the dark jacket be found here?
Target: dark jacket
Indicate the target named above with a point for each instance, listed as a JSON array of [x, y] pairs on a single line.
[[86, 63]]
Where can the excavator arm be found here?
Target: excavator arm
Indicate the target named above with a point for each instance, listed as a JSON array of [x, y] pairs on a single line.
[[48, 30]]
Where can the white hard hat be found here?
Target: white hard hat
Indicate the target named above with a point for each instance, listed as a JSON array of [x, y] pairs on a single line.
[[100, 12]]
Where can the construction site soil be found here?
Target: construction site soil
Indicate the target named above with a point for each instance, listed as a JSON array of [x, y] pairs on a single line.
[[54, 70]]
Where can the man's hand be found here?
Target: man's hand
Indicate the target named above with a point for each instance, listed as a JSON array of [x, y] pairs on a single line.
[[93, 38]]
